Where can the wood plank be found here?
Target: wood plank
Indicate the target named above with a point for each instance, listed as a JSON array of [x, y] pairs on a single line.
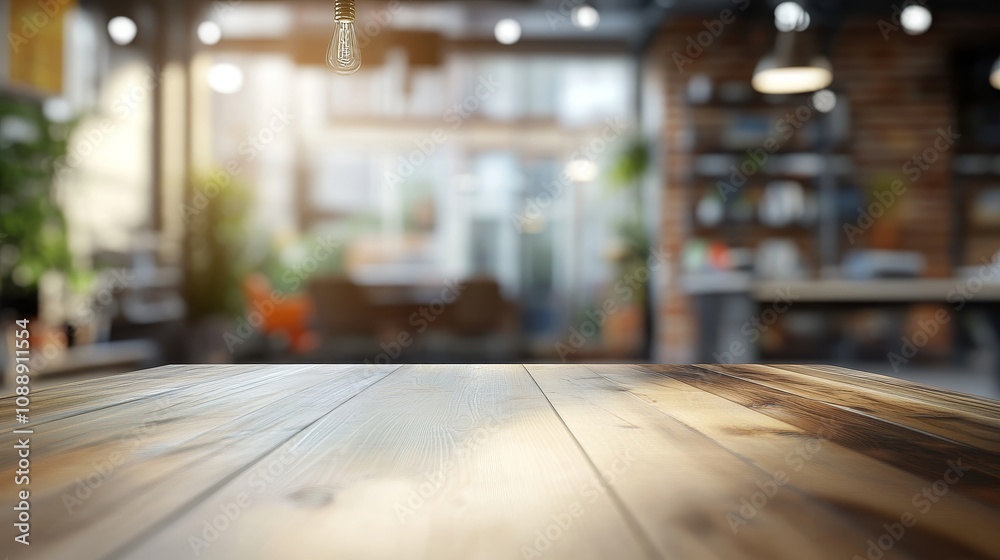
[[681, 484], [135, 378], [173, 468], [183, 409], [913, 450], [852, 481], [962, 402], [483, 461], [57, 402], [947, 423], [68, 386], [433, 462]]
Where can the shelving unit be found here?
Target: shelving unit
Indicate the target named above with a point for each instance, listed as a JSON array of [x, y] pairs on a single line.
[[806, 147], [818, 157], [976, 165]]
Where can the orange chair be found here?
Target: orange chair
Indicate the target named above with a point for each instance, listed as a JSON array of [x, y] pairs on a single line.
[[285, 314]]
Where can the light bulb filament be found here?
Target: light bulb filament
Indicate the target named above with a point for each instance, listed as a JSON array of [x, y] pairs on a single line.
[[344, 54]]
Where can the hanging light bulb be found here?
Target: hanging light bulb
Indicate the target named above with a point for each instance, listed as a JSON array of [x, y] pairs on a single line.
[[344, 54]]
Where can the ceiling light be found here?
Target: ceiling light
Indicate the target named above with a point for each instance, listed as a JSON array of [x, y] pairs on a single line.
[[585, 17], [122, 30], [824, 100], [793, 67], [915, 19], [790, 16], [225, 78], [507, 31], [209, 33], [344, 53]]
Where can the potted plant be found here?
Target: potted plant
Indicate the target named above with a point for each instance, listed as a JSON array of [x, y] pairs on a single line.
[[33, 238], [214, 249], [629, 331]]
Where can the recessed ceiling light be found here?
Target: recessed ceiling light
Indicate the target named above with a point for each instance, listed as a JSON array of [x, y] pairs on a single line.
[[585, 17], [507, 31], [122, 30], [915, 19], [209, 33]]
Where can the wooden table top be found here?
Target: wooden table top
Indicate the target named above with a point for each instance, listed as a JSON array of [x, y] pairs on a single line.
[[506, 462]]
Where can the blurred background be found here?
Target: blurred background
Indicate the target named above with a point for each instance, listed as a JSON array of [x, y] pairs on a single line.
[[523, 180]]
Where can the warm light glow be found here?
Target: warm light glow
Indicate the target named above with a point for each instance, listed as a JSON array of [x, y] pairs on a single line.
[[225, 78], [582, 170], [344, 53], [209, 33], [122, 30], [507, 31], [915, 19], [585, 17], [794, 66], [824, 100], [790, 16], [796, 79], [995, 75]]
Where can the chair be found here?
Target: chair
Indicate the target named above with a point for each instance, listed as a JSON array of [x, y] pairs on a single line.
[[289, 316], [347, 322]]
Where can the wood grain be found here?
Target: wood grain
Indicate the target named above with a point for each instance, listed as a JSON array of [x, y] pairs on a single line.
[[507, 462], [198, 401], [686, 508], [846, 477], [919, 452], [173, 466], [943, 421], [394, 472], [966, 404], [63, 401]]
